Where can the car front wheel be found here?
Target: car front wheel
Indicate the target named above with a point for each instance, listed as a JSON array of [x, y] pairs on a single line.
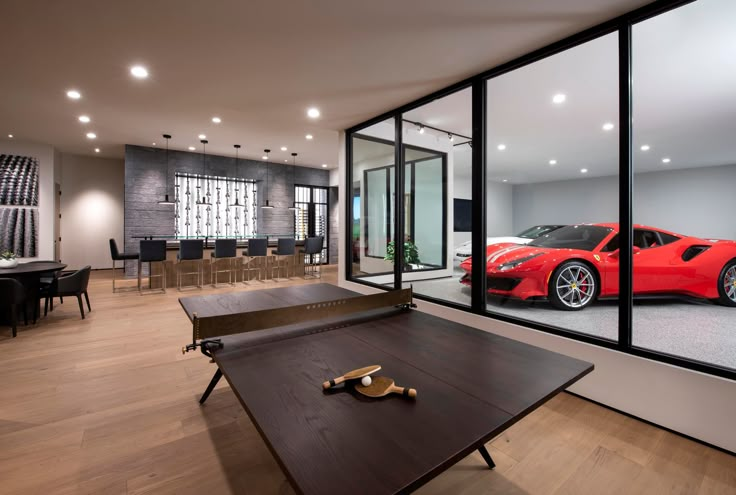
[[572, 286], [727, 284]]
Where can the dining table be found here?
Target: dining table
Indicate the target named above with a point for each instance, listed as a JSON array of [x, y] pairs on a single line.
[[29, 275]]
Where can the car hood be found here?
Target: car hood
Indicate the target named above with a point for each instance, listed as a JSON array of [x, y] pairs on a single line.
[[466, 246], [497, 255]]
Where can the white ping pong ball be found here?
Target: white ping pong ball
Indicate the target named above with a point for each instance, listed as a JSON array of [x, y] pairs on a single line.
[[366, 380]]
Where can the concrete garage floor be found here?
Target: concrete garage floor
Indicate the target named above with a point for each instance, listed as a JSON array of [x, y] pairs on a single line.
[[691, 329]]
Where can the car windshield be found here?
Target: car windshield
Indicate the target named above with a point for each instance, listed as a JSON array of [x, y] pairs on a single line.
[[585, 237], [537, 231]]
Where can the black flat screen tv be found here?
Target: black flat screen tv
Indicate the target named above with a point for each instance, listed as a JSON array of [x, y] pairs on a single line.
[[463, 211]]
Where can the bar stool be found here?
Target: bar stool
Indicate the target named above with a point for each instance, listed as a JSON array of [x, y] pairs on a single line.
[[225, 249], [116, 255], [152, 252], [285, 249], [190, 250], [258, 252], [312, 246]]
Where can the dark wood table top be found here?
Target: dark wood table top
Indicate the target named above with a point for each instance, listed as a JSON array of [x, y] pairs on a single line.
[[29, 268], [471, 386]]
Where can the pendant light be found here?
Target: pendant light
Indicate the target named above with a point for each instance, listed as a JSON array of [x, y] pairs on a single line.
[[203, 201], [267, 206], [236, 204], [293, 206], [166, 200]]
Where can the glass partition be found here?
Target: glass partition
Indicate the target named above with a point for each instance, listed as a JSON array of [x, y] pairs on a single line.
[[684, 104], [552, 191], [372, 203]]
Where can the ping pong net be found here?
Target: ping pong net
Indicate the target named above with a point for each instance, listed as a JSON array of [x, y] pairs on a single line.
[[207, 330]]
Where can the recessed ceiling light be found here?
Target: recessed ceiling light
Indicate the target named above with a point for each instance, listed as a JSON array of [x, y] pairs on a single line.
[[192, 148], [501, 147], [608, 126], [324, 165], [645, 147], [283, 148], [74, 94], [216, 120], [313, 113], [265, 157], [309, 136], [10, 136], [91, 135], [583, 170], [505, 180], [139, 71], [553, 162], [97, 150], [559, 98], [666, 160], [202, 136], [287, 161], [84, 119], [153, 144]]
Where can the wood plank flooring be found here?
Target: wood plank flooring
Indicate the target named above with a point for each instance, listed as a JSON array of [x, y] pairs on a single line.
[[108, 405]]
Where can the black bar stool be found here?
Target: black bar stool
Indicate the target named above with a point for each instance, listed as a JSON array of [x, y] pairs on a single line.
[[256, 258], [152, 252], [312, 247], [225, 249], [285, 249], [116, 255], [190, 250]]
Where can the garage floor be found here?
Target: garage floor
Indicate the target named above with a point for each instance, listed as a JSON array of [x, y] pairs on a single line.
[[695, 330]]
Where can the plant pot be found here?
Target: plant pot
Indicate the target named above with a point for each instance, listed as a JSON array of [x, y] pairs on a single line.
[[9, 263]]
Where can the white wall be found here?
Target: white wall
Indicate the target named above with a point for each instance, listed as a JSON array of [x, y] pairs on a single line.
[[92, 202], [687, 201], [47, 157]]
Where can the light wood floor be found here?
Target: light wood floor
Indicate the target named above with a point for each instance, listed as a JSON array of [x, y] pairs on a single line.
[[108, 405]]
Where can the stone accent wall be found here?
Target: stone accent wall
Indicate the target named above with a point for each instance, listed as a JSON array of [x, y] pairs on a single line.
[[334, 209], [146, 183]]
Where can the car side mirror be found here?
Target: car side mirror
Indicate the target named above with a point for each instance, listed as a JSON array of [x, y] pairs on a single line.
[[636, 249], [614, 254]]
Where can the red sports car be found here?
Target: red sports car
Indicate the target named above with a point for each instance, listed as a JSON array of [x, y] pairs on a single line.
[[575, 265]]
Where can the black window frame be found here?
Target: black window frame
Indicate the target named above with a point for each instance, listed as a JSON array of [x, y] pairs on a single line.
[[621, 25]]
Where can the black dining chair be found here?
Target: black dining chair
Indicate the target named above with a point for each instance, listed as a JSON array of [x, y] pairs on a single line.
[[152, 251], [256, 258], [313, 247], [13, 296], [116, 255], [225, 250], [285, 250], [46, 287], [190, 250], [75, 284]]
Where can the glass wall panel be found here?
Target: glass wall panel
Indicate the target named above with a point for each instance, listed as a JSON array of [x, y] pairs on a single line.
[[684, 112], [552, 191], [437, 195], [372, 202]]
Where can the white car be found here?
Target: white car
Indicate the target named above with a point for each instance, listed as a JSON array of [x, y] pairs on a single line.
[[463, 251]]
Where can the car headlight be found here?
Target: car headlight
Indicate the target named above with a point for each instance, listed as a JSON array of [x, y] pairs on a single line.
[[509, 265]]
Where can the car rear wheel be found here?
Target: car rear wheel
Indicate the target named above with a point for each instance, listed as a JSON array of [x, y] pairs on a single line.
[[727, 284], [572, 286]]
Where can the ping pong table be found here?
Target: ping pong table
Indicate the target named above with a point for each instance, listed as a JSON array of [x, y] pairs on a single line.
[[472, 385]]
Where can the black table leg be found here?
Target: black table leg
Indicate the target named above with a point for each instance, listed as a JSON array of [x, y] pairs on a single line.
[[211, 387], [487, 457]]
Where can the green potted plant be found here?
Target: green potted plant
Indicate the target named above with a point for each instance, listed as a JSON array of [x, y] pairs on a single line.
[[8, 259], [411, 254]]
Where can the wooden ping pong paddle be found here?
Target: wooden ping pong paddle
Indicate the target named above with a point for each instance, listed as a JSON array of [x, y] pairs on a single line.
[[352, 375], [383, 385]]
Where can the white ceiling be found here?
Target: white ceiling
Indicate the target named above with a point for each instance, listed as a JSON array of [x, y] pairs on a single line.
[[256, 64]]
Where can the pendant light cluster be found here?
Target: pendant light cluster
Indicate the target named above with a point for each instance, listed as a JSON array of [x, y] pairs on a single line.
[[166, 200], [267, 206]]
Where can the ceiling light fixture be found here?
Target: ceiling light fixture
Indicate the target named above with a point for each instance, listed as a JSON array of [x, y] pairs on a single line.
[[645, 147], [450, 137], [505, 180], [91, 135], [313, 113], [202, 136], [666, 160], [553, 162], [421, 129], [266, 206], [608, 126], [324, 165], [73, 94], [583, 170], [84, 119], [192, 148], [501, 147], [204, 200], [309, 137], [216, 120], [284, 148], [10, 136], [166, 200], [237, 203], [97, 150], [139, 72], [559, 98], [293, 206]]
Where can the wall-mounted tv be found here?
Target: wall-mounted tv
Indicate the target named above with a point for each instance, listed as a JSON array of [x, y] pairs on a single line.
[[463, 211]]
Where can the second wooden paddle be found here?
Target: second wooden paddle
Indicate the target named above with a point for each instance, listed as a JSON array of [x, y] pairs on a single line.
[[383, 385], [352, 375]]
